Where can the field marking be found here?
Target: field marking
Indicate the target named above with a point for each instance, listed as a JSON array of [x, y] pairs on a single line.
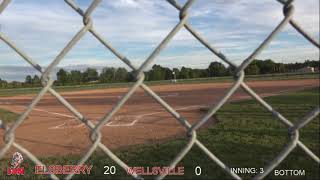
[[55, 113], [149, 114], [5, 103], [139, 117], [136, 118], [111, 124], [170, 95], [58, 126]]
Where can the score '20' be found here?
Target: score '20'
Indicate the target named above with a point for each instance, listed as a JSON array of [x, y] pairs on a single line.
[[110, 170]]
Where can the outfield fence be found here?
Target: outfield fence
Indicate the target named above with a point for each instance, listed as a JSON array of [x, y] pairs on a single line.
[[191, 129]]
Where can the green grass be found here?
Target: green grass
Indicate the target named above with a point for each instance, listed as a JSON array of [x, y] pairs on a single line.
[[246, 135], [266, 77], [8, 116]]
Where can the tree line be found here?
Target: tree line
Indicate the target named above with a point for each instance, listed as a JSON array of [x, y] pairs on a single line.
[[158, 72]]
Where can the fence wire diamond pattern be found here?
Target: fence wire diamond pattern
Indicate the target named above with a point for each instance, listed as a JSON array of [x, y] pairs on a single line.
[[191, 130]]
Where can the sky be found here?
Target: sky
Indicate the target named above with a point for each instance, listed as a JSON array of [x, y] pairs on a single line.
[[42, 28]]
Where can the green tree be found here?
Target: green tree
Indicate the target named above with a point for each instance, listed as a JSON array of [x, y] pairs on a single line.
[[107, 75], [62, 77], [157, 73], [216, 69], [190, 72], [28, 80], [16, 84], [230, 71], [121, 75], [185, 73], [36, 80], [280, 68], [252, 69], [266, 67], [168, 74], [199, 73], [315, 64], [131, 76], [3, 83], [90, 74], [75, 76]]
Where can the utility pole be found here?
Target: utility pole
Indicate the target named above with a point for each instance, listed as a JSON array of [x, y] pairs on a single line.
[[174, 77]]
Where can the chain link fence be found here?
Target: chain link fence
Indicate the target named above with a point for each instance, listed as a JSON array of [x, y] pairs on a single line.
[[191, 129]]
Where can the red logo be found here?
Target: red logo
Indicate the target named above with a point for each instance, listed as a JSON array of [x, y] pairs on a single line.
[[15, 165]]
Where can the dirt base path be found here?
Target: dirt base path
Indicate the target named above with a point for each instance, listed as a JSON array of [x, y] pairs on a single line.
[[52, 130]]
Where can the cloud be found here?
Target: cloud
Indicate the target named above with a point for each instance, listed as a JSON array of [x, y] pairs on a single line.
[[125, 4], [136, 27]]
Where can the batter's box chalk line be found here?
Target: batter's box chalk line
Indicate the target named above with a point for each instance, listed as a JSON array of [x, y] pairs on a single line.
[[117, 121]]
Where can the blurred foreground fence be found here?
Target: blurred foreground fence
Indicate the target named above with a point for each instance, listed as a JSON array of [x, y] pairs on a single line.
[[191, 129]]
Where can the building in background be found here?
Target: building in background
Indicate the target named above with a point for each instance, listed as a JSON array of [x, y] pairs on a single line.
[[307, 69]]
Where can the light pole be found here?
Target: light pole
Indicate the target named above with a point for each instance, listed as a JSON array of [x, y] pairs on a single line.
[[174, 76]]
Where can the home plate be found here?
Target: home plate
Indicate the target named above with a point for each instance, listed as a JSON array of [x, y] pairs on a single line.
[[123, 120]]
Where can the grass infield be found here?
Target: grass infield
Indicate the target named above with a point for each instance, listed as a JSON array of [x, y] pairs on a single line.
[[245, 135], [7, 116]]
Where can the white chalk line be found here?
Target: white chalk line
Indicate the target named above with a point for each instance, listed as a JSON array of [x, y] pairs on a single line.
[[116, 96], [119, 97], [111, 124], [54, 113], [5, 103], [150, 114]]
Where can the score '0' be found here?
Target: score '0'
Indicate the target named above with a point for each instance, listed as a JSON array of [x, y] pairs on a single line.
[[197, 170]]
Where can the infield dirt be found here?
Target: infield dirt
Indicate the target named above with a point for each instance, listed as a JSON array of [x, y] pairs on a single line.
[[51, 129]]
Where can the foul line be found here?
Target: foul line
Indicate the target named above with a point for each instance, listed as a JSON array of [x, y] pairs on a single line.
[[111, 124], [58, 114], [149, 114], [5, 103]]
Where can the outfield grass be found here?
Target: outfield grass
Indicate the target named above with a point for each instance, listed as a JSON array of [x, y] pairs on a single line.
[[246, 135], [8, 116], [265, 77]]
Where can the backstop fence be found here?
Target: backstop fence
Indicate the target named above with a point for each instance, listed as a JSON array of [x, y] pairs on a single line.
[[191, 129]]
